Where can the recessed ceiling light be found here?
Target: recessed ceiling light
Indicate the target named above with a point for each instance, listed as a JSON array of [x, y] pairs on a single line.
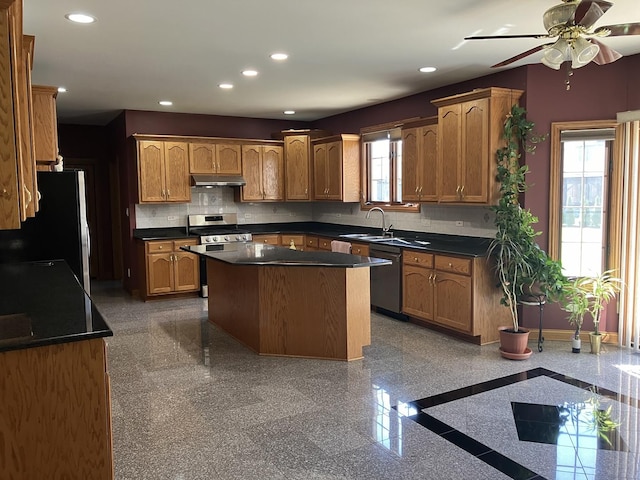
[[62, 89], [165, 103], [289, 112], [226, 86], [249, 73], [279, 56], [80, 17], [428, 69]]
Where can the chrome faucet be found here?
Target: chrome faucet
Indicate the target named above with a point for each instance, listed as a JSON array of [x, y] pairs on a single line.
[[385, 230]]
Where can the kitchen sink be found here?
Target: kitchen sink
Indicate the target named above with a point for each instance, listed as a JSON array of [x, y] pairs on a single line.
[[366, 237]]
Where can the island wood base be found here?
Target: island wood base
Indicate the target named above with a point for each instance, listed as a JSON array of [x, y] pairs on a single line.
[[316, 312]]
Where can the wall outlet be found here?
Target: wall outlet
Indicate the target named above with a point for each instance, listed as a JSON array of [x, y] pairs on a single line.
[[459, 223], [172, 218], [247, 215], [338, 215]]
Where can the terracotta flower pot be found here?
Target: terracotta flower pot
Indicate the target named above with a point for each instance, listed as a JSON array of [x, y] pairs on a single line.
[[513, 345]]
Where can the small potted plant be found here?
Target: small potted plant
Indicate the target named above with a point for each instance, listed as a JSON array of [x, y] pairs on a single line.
[[589, 295], [575, 302]]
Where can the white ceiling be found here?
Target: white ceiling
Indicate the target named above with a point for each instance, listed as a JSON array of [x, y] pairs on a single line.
[[343, 54]]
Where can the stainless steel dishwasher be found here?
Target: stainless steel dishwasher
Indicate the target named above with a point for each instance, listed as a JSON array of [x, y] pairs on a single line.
[[386, 281]]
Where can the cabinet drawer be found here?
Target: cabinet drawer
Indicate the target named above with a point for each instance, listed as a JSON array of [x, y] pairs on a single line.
[[186, 242], [453, 264], [159, 247], [311, 242], [268, 239], [361, 249], [324, 244], [417, 258], [298, 240]]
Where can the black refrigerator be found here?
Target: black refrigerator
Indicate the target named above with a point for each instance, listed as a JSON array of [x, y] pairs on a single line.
[[58, 231]]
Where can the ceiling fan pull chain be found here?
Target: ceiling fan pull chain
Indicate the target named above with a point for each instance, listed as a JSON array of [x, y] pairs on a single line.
[[569, 75]]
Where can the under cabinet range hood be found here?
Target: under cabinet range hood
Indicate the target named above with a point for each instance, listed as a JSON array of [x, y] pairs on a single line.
[[217, 181]]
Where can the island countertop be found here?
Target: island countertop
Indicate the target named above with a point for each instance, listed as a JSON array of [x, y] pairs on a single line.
[[250, 253], [42, 303]]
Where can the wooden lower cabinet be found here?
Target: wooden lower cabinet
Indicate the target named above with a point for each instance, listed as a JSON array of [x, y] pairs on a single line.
[[361, 249], [168, 269], [456, 293], [286, 240], [55, 412], [311, 242], [268, 239]]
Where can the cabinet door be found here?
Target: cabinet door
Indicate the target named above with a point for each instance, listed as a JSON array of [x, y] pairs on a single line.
[[186, 268], [320, 167], [177, 172], [151, 173], [272, 172], [449, 132], [296, 158], [252, 173], [159, 273], [45, 123], [267, 239], [410, 165], [474, 158], [428, 171], [452, 304], [361, 249], [229, 159], [334, 171], [202, 158], [417, 292]]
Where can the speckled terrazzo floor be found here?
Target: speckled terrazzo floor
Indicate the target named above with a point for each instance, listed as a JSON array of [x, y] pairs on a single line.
[[189, 402]]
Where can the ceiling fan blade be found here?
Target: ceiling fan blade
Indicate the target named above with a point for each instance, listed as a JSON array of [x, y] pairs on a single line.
[[526, 35], [509, 61], [589, 11], [488, 37], [620, 29], [606, 54]]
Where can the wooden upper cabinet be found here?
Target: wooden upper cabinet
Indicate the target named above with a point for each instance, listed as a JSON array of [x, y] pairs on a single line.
[[177, 184], [336, 168], [202, 158], [469, 133], [45, 127], [419, 161], [27, 135], [229, 159], [297, 158], [262, 168], [214, 158], [163, 171]]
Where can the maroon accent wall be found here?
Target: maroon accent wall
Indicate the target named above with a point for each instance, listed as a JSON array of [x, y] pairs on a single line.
[[598, 92], [162, 123]]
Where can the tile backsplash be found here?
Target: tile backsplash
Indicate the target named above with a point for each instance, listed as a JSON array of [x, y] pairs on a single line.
[[447, 219]]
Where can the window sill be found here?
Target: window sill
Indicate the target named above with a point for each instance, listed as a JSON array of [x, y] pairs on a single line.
[[392, 207]]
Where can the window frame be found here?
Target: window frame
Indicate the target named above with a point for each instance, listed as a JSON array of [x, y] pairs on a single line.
[[365, 201], [614, 187]]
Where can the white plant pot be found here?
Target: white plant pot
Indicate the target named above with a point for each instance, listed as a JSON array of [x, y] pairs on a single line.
[[576, 343]]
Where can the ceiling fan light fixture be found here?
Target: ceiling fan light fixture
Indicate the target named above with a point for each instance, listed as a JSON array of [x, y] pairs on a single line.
[[556, 54], [558, 15], [582, 52]]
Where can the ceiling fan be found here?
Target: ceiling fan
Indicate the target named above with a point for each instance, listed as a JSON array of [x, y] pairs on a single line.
[[572, 22]]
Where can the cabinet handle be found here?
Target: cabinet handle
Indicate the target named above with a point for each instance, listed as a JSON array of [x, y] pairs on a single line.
[[416, 189], [159, 247], [458, 191], [434, 278], [29, 197], [415, 259], [462, 192], [168, 193], [450, 265], [431, 278]]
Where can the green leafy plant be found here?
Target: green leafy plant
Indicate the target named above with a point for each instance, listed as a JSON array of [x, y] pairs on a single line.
[[575, 302], [523, 268]]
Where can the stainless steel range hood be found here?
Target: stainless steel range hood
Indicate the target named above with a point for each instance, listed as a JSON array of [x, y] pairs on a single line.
[[217, 181]]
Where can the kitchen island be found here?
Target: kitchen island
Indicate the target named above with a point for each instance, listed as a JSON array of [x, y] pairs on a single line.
[[278, 301], [55, 409]]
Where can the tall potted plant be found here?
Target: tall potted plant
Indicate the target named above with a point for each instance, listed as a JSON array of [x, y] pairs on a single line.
[[522, 267], [575, 302]]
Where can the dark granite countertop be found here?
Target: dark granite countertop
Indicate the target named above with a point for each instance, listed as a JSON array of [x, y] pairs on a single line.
[[43, 303], [260, 254], [423, 241]]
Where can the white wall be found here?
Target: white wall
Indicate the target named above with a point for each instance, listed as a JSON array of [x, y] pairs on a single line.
[[476, 221]]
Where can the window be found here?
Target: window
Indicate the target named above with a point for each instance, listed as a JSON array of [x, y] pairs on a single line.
[[382, 168], [584, 202]]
